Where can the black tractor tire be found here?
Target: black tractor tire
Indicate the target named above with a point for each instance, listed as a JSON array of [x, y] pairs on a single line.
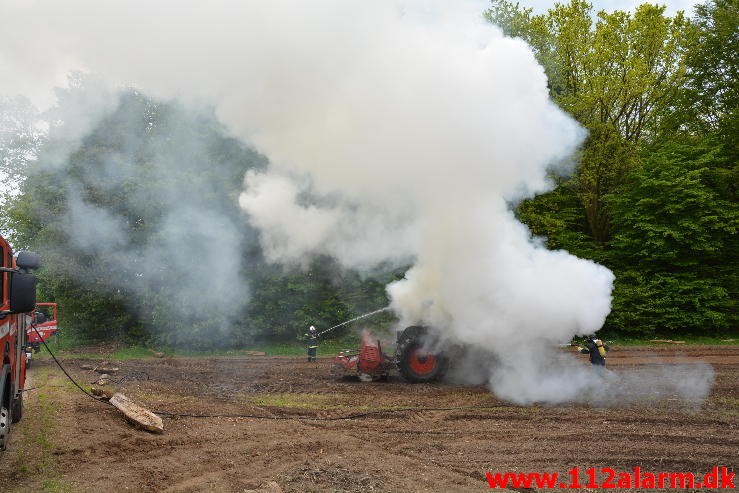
[[415, 363]]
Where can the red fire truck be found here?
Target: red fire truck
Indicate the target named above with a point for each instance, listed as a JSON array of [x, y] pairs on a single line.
[[17, 302], [43, 326]]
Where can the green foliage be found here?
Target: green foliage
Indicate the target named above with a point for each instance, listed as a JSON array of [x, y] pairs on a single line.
[[606, 158], [622, 69], [558, 217], [618, 76], [712, 95], [675, 245], [284, 304], [654, 194]]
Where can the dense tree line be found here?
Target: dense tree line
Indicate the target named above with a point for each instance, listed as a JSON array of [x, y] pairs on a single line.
[[653, 197]]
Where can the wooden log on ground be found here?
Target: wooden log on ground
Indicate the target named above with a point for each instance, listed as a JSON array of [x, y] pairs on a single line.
[[136, 414], [667, 341]]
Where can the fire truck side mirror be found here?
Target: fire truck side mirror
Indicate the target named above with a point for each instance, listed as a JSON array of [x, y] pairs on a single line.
[[22, 292], [27, 260]]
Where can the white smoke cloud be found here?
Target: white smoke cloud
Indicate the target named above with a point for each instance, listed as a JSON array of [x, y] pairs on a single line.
[[398, 131]]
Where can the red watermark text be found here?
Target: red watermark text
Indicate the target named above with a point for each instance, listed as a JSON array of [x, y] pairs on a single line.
[[608, 478]]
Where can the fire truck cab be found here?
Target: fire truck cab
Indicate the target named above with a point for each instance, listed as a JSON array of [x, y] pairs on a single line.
[[17, 301]]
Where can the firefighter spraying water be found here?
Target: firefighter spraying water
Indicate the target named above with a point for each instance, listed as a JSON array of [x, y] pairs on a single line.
[[312, 338]]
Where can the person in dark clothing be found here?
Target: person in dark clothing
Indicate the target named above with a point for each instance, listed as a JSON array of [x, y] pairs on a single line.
[[597, 350], [312, 338]]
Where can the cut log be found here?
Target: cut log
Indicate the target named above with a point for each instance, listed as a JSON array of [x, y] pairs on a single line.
[[668, 341], [136, 414]]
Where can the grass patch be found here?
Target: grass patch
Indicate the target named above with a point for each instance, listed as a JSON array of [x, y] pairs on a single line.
[[301, 401], [726, 407], [56, 485], [320, 402], [689, 340], [132, 352], [325, 349], [139, 352], [328, 348], [35, 457]]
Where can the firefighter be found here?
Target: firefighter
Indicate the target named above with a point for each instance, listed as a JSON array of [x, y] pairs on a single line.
[[312, 338], [597, 350]]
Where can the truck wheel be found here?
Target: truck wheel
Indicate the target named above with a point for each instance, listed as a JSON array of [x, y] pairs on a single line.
[[4, 427]]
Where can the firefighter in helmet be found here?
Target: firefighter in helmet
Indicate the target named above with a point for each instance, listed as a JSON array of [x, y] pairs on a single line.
[[597, 350], [312, 338]]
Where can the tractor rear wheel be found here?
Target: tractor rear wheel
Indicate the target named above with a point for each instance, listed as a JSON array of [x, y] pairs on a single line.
[[415, 362]]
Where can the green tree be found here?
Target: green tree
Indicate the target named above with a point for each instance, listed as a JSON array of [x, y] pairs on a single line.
[[675, 244], [709, 106], [621, 69], [605, 160], [713, 88], [21, 134], [285, 303], [617, 75], [654, 193]]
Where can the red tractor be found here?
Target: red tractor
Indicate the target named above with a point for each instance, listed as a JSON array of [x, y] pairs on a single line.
[[368, 363], [17, 301], [416, 358], [43, 325]]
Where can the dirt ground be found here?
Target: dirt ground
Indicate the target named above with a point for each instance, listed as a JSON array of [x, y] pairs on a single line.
[[68, 442]]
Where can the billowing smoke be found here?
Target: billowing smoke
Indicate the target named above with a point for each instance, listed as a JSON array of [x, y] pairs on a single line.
[[140, 205], [399, 132]]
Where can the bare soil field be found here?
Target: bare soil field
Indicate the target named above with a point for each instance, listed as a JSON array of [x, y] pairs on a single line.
[[68, 442]]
